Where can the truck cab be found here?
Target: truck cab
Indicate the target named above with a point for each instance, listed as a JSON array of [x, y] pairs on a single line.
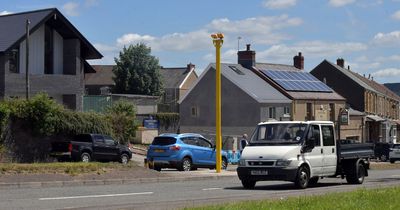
[[296, 151]]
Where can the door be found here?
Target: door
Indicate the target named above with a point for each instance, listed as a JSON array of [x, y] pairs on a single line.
[[329, 150], [98, 147], [207, 156], [111, 149], [315, 157]]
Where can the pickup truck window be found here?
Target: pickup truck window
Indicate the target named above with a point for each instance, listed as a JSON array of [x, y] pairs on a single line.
[[279, 133], [99, 139], [314, 132], [327, 135], [109, 141]]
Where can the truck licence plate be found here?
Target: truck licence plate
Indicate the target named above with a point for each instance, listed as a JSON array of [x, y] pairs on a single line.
[[259, 172]]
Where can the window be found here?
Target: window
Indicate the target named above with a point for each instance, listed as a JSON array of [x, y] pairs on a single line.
[[194, 112], [309, 114], [109, 141], [163, 141], [314, 132], [189, 141], [203, 143], [327, 135], [286, 110], [235, 69], [98, 139], [272, 112], [13, 60]]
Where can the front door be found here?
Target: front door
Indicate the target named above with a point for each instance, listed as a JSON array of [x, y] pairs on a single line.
[[329, 150], [315, 157]]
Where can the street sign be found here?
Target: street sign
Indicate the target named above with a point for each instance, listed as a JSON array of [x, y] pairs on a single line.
[[150, 123], [344, 117]]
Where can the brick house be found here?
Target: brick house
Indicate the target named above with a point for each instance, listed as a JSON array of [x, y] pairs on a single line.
[[380, 105], [57, 57]]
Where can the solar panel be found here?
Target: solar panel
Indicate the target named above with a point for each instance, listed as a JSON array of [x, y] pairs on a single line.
[[297, 81]]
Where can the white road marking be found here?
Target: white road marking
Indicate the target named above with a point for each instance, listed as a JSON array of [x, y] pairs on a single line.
[[215, 188], [395, 175], [95, 196]]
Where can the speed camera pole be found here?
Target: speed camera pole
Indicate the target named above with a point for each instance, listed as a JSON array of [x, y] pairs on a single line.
[[218, 41]]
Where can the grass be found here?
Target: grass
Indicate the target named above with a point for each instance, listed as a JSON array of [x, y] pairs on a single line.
[[362, 199], [70, 168]]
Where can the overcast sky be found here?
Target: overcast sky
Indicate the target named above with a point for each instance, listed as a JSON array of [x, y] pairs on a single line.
[[366, 33]]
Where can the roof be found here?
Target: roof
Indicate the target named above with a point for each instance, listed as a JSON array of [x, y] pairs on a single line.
[[296, 94], [395, 87], [102, 76], [173, 77], [366, 83], [13, 29], [354, 112], [249, 82]]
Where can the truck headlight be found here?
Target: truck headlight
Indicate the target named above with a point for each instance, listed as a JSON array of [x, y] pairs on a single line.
[[283, 162], [242, 162]]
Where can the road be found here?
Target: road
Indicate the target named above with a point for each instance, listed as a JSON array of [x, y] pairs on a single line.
[[172, 195]]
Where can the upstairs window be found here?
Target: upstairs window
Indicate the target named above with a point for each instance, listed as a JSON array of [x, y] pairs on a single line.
[[13, 60]]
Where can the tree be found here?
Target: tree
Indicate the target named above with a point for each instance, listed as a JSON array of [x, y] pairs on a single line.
[[137, 71], [122, 116]]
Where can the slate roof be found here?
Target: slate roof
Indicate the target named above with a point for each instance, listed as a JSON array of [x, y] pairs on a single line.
[[366, 83], [249, 82], [173, 77], [102, 76], [13, 26], [395, 87], [297, 94]]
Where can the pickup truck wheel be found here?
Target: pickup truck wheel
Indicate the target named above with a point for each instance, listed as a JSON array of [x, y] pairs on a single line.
[[392, 160], [248, 184], [383, 158], [85, 157], [358, 176], [313, 181], [303, 178], [124, 159]]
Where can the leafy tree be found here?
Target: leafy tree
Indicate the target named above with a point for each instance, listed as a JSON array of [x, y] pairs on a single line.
[[122, 116], [137, 71]]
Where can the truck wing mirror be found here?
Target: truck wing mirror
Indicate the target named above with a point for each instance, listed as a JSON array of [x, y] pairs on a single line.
[[309, 145]]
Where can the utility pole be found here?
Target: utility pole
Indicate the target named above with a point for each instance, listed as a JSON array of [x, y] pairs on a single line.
[[27, 60], [218, 41]]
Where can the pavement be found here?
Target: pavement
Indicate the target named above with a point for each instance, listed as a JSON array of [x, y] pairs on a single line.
[[166, 175]]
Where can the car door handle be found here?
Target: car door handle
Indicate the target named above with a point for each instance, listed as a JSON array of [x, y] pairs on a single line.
[[322, 151]]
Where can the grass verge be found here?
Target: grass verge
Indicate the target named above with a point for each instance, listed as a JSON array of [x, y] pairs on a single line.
[[360, 199], [70, 168]]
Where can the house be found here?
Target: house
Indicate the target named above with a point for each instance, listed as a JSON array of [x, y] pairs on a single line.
[[176, 82], [57, 57], [311, 98], [246, 100], [101, 81], [380, 105]]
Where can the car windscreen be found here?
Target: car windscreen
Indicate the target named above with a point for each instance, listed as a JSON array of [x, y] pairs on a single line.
[[163, 141], [279, 133]]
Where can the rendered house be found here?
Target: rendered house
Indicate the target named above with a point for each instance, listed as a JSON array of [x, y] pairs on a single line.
[[380, 105], [57, 57]]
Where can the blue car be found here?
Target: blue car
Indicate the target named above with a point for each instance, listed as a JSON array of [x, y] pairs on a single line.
[[185, 152]]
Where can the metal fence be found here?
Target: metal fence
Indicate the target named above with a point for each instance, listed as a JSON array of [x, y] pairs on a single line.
[[96, 103]]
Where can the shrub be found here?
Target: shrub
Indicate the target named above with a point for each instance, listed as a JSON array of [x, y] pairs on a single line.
[[122, 116]]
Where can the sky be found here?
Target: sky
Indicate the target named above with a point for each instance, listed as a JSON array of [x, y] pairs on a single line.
[[365, 33]]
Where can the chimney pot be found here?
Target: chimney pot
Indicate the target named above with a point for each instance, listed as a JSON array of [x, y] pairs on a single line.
[[369, 76], [190, 66], [348, 67], [247, 58], [248, 47]]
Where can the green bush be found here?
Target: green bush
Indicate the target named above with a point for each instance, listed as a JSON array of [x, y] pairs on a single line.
[[167, 120], [122, 116]]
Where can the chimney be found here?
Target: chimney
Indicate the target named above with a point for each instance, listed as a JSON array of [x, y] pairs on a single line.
[[340, 62], [190, 66], [247, 58], [298, 61], [348, 67]]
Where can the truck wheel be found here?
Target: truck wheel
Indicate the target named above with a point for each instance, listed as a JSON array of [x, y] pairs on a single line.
[[303, 178], [358, 176], [313, 181], [392, 160], [157, 168], [248, 184], [85, 157], [383, 158], [124, 159]]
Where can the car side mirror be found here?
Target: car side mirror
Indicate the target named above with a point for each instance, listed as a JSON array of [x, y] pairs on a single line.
[[115, 143]]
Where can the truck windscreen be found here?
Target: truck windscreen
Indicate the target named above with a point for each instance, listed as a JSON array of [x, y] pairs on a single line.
[[279, 133]]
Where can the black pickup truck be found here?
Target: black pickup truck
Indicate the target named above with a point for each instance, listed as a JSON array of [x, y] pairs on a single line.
[[88, 147]]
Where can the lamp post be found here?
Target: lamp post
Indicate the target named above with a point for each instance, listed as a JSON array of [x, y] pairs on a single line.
[[218, 41]]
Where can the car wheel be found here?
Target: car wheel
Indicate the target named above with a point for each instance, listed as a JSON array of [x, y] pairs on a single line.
[[303, 178], [383, 158], [124, 159], [224, 164], [248, 184], [157, 168], [186, 164], [85, 157]]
